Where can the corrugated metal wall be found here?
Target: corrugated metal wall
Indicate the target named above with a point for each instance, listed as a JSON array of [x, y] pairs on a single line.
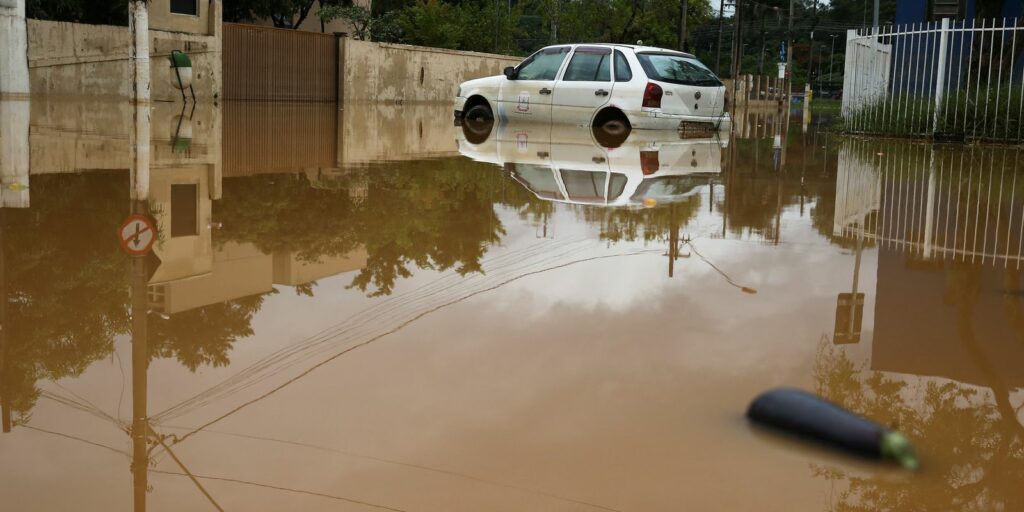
[[272, 64], [278, 137]]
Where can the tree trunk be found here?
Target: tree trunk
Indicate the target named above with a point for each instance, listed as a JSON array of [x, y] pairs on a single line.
[[683, 6]]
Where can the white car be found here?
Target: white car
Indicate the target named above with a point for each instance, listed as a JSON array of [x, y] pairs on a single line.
[[570, 165], [635, 87]]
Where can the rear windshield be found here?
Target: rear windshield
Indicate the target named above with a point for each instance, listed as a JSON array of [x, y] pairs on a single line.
[[677, 69]]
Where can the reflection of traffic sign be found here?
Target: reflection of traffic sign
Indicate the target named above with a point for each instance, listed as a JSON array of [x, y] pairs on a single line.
[[137, 235], [849, 316]]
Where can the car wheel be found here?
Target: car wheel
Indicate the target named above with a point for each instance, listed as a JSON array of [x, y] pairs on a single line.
[[479, 112]]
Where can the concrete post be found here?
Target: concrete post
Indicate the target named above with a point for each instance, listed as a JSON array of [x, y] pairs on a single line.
[[138, 27], [141, 137], [13, 49], [940, 72], [14, 153]]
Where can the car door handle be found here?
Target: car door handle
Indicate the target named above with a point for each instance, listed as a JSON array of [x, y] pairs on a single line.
[[542, 154], [545, 91], [598, 160], [600, 92]]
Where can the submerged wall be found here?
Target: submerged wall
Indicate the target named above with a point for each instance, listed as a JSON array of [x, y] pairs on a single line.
[[409, 74], [93, 60]]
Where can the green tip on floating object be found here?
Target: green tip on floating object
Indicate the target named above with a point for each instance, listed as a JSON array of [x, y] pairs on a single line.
[[896, 446]]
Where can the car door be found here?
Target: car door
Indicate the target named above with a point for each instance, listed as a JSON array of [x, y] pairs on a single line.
[[528, 95], [585, 86]]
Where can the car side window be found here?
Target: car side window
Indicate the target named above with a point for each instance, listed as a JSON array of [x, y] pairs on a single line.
[[589, 64], [622, 71], [543, 65]]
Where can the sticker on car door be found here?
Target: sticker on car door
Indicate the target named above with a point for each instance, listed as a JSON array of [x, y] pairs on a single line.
[[523, 103]]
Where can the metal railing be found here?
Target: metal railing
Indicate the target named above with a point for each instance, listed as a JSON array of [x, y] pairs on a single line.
[[950, 79]]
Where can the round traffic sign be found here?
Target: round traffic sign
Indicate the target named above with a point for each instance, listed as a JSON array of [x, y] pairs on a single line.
[[137, 235]]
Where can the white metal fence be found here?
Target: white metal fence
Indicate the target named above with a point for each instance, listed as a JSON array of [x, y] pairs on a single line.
[[948, 79]]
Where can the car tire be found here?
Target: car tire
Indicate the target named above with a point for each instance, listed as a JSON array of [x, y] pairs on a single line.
[[479, 112]]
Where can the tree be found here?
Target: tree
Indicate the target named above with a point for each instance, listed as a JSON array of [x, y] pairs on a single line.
[[94, 12], [283, 13]]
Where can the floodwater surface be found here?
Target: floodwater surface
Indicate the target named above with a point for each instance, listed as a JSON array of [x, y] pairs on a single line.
[[372, 309]]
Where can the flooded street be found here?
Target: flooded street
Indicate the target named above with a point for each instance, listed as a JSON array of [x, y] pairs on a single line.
[[373, 309]]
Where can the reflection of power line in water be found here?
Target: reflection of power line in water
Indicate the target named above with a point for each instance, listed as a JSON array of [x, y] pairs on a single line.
[[404, 464], [744, 289], [403, 324], [280, 488], [390, 309]]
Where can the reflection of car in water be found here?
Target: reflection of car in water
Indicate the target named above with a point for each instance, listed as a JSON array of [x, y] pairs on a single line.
[[572, 165]]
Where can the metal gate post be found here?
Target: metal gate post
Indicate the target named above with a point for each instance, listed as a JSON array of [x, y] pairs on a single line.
[[940, 74]]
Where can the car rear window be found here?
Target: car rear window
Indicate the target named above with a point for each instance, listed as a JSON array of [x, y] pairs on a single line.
[[677, 69]]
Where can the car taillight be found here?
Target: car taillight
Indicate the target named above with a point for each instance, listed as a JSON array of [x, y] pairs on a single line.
[[649, 162], [652, 96]]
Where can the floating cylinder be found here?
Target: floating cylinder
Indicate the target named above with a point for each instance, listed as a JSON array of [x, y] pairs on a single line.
[[801, 413]]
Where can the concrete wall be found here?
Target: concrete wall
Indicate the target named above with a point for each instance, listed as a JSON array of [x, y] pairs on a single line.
[[93, 60], [71, 135], [386, 133], [401, 73], [13, 51]]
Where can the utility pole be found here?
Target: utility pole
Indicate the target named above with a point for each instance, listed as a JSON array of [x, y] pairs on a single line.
[[682, 25], [789, 53], [760, 57], [875, 18], [737, 44], [718, 51], [554, 21]]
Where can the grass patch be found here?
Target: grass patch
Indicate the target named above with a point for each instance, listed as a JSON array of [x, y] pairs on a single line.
[[992, 114]]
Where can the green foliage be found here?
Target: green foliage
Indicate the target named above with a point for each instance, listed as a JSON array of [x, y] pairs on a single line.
[[66, 280], [93, 12], [991, 113], [203, 336]]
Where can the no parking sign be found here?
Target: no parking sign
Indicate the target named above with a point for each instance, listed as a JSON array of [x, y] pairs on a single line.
[[137, 234]]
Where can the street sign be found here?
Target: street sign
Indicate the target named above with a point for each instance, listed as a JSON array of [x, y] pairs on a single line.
[[137, 235], [849, 315]]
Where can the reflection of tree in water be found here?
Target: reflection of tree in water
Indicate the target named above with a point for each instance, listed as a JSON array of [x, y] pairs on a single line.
[[283, 213], [647, 224], [66, 280], [429, 214], [971, 440], [205, 335], [67, 289]]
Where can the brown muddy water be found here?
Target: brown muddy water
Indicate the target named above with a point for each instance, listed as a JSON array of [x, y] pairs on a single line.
[[371, 309]]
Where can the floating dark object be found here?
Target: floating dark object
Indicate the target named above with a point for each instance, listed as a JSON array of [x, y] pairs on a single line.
[[801, 413]]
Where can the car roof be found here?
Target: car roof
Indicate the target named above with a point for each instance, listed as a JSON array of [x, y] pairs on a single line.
[[634, 47]]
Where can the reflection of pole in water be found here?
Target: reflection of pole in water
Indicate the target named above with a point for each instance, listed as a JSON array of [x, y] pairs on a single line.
[[140, 364], [5, 399], [929, 214], [673, 239]]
